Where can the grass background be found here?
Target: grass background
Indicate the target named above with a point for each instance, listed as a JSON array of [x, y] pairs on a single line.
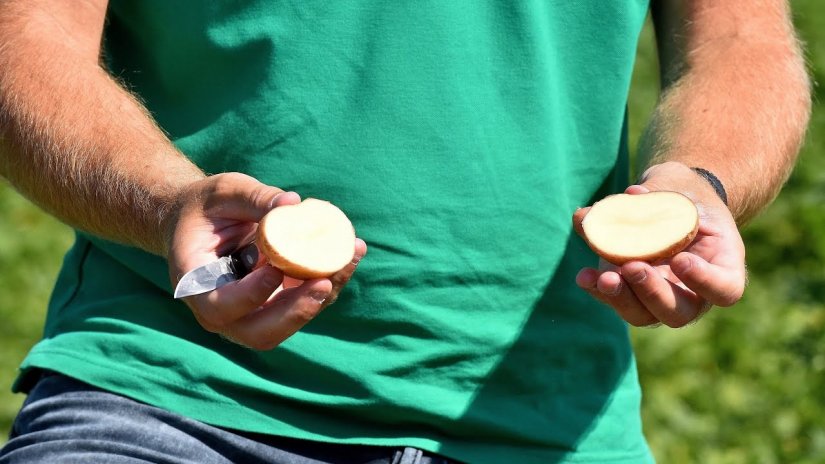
[[745, 385]]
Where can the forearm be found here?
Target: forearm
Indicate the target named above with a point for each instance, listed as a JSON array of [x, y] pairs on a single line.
[[736, 97], [74, 141]]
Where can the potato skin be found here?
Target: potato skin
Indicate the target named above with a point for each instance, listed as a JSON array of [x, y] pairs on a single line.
[[669, 252]]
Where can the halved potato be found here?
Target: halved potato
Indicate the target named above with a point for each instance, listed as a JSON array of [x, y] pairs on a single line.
[[309, 240], [644, 227]]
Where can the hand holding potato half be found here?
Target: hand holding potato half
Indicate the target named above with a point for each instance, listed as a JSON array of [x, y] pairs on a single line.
[[666, 256], [312, 244]]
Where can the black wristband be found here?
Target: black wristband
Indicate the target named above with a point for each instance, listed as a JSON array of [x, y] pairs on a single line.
[[714, 182]]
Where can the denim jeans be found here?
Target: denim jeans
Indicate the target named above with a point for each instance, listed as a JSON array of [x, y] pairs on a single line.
[[67, 421]]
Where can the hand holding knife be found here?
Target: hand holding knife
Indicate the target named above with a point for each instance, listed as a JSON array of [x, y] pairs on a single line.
[[312, 239], [219, 272]]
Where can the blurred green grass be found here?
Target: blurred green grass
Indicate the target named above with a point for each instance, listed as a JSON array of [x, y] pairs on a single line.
[[747, 384], [744, 385], [32, 245]]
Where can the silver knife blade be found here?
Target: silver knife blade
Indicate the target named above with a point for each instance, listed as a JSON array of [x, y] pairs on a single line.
[[206, 278]]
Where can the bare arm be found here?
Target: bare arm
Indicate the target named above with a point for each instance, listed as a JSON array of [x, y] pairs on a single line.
[[736, 96], [73, 140], [735, 101], [81, 147]]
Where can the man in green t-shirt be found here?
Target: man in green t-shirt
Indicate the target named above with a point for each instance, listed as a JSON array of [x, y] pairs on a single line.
[[459, 137]]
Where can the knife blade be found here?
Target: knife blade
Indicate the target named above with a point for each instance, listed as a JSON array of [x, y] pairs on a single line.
[[218, 273]]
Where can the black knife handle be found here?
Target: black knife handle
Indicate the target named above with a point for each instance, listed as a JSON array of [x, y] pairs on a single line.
[[243, 260]]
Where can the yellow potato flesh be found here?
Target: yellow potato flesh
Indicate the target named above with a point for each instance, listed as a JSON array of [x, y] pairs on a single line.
[[646, 227], [311, 239]]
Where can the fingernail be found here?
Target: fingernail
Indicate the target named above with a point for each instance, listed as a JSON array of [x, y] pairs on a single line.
[[318, 296], [276, 197], [275, 200]]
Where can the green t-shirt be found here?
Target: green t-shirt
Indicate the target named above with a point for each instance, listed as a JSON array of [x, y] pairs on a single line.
[[459, 137]]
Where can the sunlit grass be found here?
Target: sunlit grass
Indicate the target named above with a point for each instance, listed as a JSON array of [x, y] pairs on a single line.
[[745, 384], [32, 245]]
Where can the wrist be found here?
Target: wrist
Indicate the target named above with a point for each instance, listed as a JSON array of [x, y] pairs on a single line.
[[714, 182], [690, 181], [183, 198]]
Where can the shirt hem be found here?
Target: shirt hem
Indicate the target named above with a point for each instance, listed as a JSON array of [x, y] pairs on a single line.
[[97, 375]]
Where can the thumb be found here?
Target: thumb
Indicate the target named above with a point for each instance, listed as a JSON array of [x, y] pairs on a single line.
[[243, 198]]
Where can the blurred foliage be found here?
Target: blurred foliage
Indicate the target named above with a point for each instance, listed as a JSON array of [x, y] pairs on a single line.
[[744, 385], [747, 384], [32, 245]]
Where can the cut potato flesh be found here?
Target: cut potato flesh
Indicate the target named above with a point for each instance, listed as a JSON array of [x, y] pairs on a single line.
[[644, 227], [308, 240]]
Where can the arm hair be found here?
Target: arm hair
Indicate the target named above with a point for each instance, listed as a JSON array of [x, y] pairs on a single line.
[[72, 139], [736, 95]]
